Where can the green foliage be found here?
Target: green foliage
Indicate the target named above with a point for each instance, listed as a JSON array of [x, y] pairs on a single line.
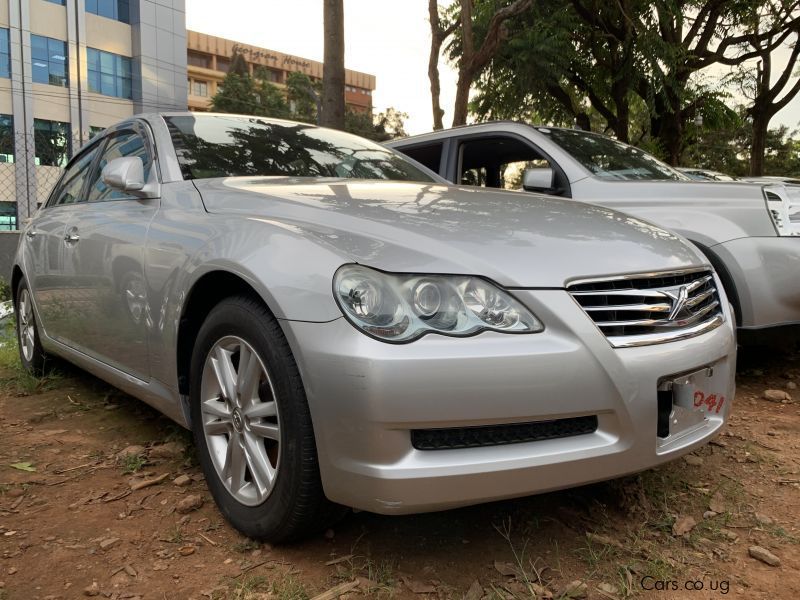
[[14, 378], [5, 290], [384, 126], [132, 463], [240, 93], [303, 96], [627, 69]]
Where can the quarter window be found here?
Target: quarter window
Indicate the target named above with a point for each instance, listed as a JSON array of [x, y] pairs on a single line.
[[69, 190], [119, 10], [49, 60], [109, 74], [126, 143], [5, 54], [52, 142]]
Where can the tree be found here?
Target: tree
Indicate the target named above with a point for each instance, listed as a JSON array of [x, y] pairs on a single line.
[[474, 55], [240, 93], [768, 98], [629, 64], [304, 98], [384, 126], [333, 107]]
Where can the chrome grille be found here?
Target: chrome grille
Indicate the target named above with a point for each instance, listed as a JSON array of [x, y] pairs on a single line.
[[652, 308]]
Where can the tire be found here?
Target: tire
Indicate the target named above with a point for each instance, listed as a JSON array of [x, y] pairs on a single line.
[[265, 431], [31, 353]]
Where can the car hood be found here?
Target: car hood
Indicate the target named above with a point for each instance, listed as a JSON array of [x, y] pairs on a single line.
[[516, 239]]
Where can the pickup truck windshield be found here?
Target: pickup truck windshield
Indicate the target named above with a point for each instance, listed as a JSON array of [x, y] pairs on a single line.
[[230, 146], [608, 158]]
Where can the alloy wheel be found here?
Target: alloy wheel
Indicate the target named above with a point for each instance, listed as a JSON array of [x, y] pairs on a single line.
[[26, 329], [241, 422]]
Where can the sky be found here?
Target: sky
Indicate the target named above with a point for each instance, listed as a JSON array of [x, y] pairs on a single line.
[[385, 38]]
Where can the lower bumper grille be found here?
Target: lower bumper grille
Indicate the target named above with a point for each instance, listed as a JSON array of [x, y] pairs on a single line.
[[499, 435]]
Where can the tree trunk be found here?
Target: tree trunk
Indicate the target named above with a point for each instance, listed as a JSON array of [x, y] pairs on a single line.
[[462, 97], [758, 144], [437, 39], [333, 67]]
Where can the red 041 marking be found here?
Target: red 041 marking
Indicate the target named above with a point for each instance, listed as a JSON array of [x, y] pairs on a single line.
[[711, 402]]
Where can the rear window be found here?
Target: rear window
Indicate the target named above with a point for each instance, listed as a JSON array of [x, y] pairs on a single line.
[[230, 146]]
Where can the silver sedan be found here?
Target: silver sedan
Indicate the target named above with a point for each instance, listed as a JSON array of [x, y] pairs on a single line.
[[340, 327]]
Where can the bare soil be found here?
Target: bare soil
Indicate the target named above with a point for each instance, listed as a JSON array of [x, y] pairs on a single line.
[[73, 527]]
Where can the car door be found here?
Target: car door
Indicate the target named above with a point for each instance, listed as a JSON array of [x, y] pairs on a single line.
[[106, 256], [46, 248], [495, 160]]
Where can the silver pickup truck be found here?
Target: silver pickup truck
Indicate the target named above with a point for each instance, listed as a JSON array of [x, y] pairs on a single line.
[[750, 232]]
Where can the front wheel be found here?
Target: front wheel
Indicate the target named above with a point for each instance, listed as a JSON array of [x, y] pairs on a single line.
[[252, 426]]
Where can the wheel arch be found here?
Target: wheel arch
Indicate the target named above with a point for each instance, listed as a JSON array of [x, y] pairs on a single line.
[[208, 291], [16, 277], [725, 276]]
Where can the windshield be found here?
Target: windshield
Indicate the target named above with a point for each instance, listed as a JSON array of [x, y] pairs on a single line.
[[608, 158], [230, 146]]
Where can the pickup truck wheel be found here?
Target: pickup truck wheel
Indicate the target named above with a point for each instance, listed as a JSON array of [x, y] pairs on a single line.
[[252, 426], [31, 353]]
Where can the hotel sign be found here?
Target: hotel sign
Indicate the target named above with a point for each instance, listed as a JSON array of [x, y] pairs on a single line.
[[255, 54]]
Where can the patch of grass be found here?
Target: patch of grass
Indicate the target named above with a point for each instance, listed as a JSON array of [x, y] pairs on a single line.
[[174, 535], [381, 573], [246, 545], [132, 463], [246, 586], [14, 377], [289, 588], [5, 290], [780, 533]]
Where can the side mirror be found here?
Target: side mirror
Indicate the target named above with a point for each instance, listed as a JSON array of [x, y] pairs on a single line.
[[125, 174], [538, 179]]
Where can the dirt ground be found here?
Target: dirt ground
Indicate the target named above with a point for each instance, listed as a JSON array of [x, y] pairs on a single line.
[[72, 526]]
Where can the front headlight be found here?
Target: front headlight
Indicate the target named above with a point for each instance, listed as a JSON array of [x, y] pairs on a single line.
[[402, 308]]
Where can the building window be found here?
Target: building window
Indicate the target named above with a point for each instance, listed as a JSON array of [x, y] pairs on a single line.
[[199, 88], [109, 74], [8, 216], [6, 139], [223, 64], [49, 60], [196, 59], [119, 10], [52, 142], [5, 54]]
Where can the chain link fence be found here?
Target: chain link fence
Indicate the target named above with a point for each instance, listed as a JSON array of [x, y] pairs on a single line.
[[30, 165]]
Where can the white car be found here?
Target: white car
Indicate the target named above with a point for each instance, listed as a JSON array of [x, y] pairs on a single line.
[[749, 232]]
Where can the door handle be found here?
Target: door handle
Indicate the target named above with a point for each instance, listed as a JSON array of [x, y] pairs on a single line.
[[72, 238]]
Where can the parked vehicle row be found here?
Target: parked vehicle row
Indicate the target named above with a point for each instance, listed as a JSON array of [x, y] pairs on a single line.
[[339, 326]]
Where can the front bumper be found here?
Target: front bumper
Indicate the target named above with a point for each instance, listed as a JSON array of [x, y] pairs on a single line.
[[366, 396], [765, 272]]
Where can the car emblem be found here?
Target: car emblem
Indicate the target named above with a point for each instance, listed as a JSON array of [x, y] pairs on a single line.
[[679, 296]]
